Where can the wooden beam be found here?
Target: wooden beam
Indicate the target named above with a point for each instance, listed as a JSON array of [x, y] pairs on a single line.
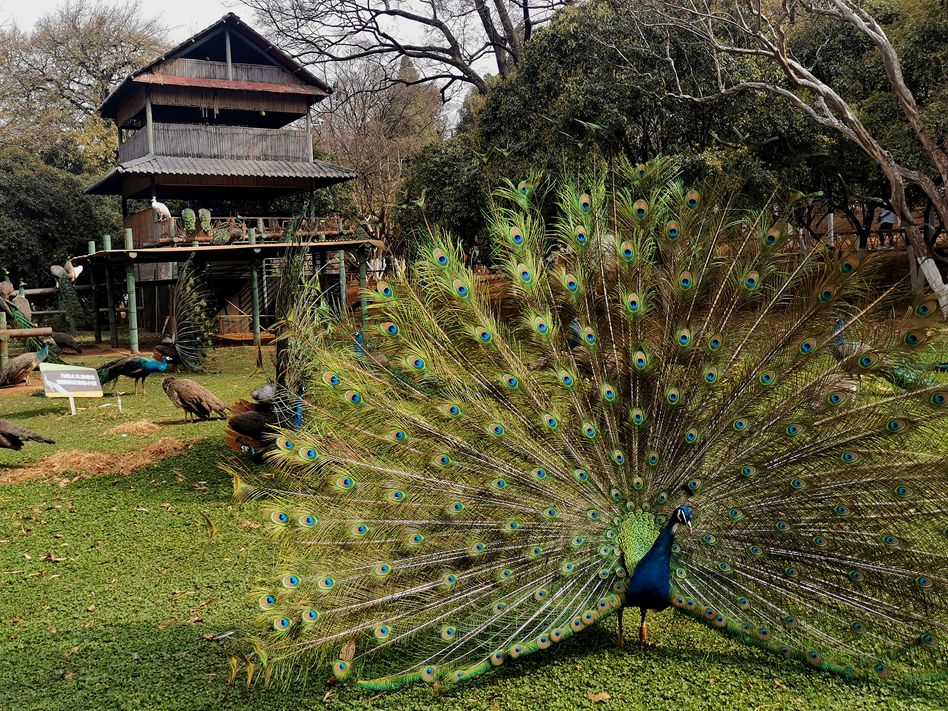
[[230, 61], [149, 125], [25, 332]]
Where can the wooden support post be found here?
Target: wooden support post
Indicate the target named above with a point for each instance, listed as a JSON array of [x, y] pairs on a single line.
[[254, 291], [363, 284], [4, 347], [96, 316], [343, 305], [110, 293], [149, 127], [309, 136], [230, 61], [132, 296]]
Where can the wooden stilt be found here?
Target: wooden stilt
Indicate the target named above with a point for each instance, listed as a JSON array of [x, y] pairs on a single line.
[[132, 296], [110, 293]]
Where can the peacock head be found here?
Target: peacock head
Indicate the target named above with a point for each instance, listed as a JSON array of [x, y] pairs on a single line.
[[681, 517]]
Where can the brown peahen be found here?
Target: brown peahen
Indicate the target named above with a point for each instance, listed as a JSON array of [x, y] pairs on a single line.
[[195, 399], [18, 369], [64, 341], [12, 436], [643, 411]]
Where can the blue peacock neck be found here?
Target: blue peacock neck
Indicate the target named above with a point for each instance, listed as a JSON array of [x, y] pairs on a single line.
[[648, 587]]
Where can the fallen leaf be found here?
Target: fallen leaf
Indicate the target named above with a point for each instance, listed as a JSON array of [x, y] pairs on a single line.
[[779, 684], [91, 608], [170, 622], [598, 697], [212, 527], [252, 525], [196, 620], [71, 652], [51, 557]]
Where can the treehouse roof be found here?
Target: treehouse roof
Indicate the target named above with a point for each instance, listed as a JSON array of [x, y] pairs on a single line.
[[247, 47]]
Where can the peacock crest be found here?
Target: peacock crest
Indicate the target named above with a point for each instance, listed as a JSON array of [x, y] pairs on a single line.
[[648, 406]]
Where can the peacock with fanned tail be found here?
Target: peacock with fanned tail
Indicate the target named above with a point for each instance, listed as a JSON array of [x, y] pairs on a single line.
[[645, 410]]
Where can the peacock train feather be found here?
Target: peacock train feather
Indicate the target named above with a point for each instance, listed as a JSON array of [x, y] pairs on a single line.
[[510, 460]]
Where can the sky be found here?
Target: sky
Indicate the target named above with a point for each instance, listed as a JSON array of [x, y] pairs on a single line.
[[182, 17]]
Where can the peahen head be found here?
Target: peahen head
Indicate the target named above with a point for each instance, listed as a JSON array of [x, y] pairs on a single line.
[[681, 517]]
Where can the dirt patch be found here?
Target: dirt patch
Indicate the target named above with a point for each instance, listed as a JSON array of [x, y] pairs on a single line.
[[83, 465], [141, 428]]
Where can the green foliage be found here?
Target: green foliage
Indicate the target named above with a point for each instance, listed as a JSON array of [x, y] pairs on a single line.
[[447, 187], [584, 92], [44, 218]]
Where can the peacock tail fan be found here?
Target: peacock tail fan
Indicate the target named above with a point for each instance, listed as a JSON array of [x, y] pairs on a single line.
[[193, 310], [479, 481]]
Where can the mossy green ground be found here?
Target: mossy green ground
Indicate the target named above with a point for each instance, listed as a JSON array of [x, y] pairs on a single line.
[[110, 589]]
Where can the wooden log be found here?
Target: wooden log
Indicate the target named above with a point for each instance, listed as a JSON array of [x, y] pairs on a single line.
[[8, 333]]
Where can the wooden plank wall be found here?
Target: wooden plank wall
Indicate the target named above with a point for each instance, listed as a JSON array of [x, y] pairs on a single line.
[[204, 69], [216, 99], [197, 141]]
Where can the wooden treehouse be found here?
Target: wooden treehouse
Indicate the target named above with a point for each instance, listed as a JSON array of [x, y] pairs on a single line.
[[218, 129]]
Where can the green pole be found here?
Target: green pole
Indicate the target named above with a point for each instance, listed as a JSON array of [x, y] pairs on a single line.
[[96, 316], [132, 297], [363, 284], [110, 292], [343, 306], [254, 291], [4, 342]]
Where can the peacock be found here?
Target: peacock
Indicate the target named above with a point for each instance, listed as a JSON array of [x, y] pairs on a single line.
[[252, 427], [638, 410], [138, 368], [14, 436], [18, 369], [195, 399], [193, 319]]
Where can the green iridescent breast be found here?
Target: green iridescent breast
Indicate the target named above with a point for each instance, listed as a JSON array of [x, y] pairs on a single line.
[[637, 533]]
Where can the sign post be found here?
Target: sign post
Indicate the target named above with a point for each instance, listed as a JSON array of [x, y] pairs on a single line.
[[70, 381]]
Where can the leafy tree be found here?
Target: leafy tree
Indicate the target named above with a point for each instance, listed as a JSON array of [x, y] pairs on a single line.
[[44, 218], [378, 132], [56, 76]]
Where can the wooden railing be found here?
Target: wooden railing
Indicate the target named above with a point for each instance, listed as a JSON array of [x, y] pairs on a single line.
[[204, 69], [234, 142]]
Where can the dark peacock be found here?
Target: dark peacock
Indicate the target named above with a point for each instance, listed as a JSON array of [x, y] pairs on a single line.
[[18, 369], [192, 318], [65, 341], [13, 436], [642, 413], [193, 398], [253, 425], [136, 367]]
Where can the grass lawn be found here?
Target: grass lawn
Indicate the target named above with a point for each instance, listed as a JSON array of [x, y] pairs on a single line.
[[112, 594]]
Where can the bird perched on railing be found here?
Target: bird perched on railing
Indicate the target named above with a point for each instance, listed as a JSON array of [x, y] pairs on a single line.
[[12, 436], [18, 369], [447, 506], [138, 368], [160, 210], [66, 271], [195, 399]]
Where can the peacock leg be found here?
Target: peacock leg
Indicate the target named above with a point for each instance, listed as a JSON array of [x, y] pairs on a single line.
[[643, 633], [621, 640]]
